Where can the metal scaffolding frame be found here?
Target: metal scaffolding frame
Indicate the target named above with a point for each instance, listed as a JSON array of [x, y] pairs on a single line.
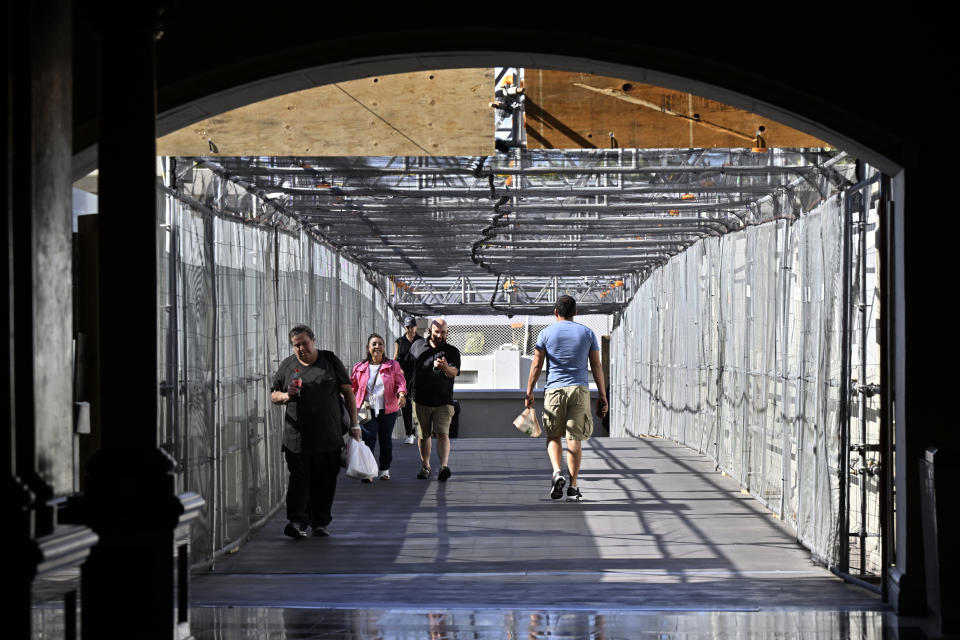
[[508, 233], [727, 333]]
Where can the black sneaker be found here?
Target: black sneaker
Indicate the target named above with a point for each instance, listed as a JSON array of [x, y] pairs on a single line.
[[556, 490], [573, 494], [295, 530], [424, 472], [320, 532], [444, 474]]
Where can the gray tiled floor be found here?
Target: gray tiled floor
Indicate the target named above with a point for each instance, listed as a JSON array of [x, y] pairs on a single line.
[[661, 547], [658, 529]]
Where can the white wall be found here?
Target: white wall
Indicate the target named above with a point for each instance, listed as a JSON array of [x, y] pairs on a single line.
[[502, 370]]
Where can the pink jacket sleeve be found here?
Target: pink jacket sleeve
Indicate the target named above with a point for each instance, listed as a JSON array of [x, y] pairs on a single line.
[[358, 380]]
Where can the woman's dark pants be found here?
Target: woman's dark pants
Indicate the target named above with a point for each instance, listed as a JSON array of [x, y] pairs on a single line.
[[381, 428]]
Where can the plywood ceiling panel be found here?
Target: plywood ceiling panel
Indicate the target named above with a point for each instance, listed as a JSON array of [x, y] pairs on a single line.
[[447, 113], [441, 113], [576, 110]]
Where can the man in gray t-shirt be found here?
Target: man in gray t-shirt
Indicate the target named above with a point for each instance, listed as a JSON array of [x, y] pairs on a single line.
[[567, 347]]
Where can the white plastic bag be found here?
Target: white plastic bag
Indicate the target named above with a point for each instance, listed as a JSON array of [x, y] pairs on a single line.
[[527, 423], [360, 461]]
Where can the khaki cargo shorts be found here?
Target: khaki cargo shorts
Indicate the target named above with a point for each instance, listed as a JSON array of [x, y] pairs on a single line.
[[566, 410], [432, 420]]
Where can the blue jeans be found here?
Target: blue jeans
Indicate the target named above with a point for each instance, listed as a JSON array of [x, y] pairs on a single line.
[[381, 427]]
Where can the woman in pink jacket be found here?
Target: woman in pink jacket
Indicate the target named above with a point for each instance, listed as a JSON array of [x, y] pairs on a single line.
[[379, 380]]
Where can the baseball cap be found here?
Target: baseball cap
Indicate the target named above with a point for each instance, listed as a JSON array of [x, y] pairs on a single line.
[[409, 321]]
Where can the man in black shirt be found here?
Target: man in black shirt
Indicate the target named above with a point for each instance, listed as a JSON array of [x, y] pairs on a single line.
[[435, 364], [400, 352], [309, 384]]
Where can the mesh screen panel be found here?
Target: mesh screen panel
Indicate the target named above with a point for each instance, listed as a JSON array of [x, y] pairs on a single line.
[[734, 349], [230, 293]]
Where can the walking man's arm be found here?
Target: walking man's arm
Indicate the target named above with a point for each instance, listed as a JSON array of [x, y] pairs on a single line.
[[597, 368], [535, 367], [448, 369]]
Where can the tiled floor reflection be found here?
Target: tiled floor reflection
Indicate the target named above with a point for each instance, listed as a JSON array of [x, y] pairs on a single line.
[[357, 624]]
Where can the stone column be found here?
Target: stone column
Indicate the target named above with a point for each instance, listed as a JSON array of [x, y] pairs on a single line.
[[916, 323], [130, 499], [36, 461]]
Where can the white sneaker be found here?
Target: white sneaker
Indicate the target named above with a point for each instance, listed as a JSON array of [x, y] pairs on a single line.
[[411, 439], [385, 474]]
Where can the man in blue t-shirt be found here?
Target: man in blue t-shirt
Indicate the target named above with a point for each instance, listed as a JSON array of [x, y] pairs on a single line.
[[567, 347]]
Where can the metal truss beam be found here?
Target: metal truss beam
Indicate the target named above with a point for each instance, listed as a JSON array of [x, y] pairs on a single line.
[[546, 221]]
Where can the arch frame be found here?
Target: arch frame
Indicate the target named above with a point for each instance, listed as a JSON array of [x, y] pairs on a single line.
[[829, 101]]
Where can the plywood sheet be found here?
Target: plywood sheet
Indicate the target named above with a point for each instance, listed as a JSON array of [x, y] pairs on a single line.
[[442, 113], [562, 115]]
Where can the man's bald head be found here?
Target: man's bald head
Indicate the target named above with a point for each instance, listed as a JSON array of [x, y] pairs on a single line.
[[438, 331]]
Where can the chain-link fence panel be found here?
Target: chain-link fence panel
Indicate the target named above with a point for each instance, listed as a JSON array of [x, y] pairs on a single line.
[[864, 466], [188, 354], [484, 335]]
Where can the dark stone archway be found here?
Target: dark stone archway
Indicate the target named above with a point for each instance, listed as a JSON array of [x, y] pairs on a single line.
[[211, 59]]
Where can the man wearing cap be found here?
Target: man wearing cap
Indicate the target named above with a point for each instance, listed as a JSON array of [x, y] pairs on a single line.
[[400, 352], [435, 365]]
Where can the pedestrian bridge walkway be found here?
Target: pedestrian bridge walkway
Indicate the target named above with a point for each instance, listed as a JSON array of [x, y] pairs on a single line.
[[659, 529]]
